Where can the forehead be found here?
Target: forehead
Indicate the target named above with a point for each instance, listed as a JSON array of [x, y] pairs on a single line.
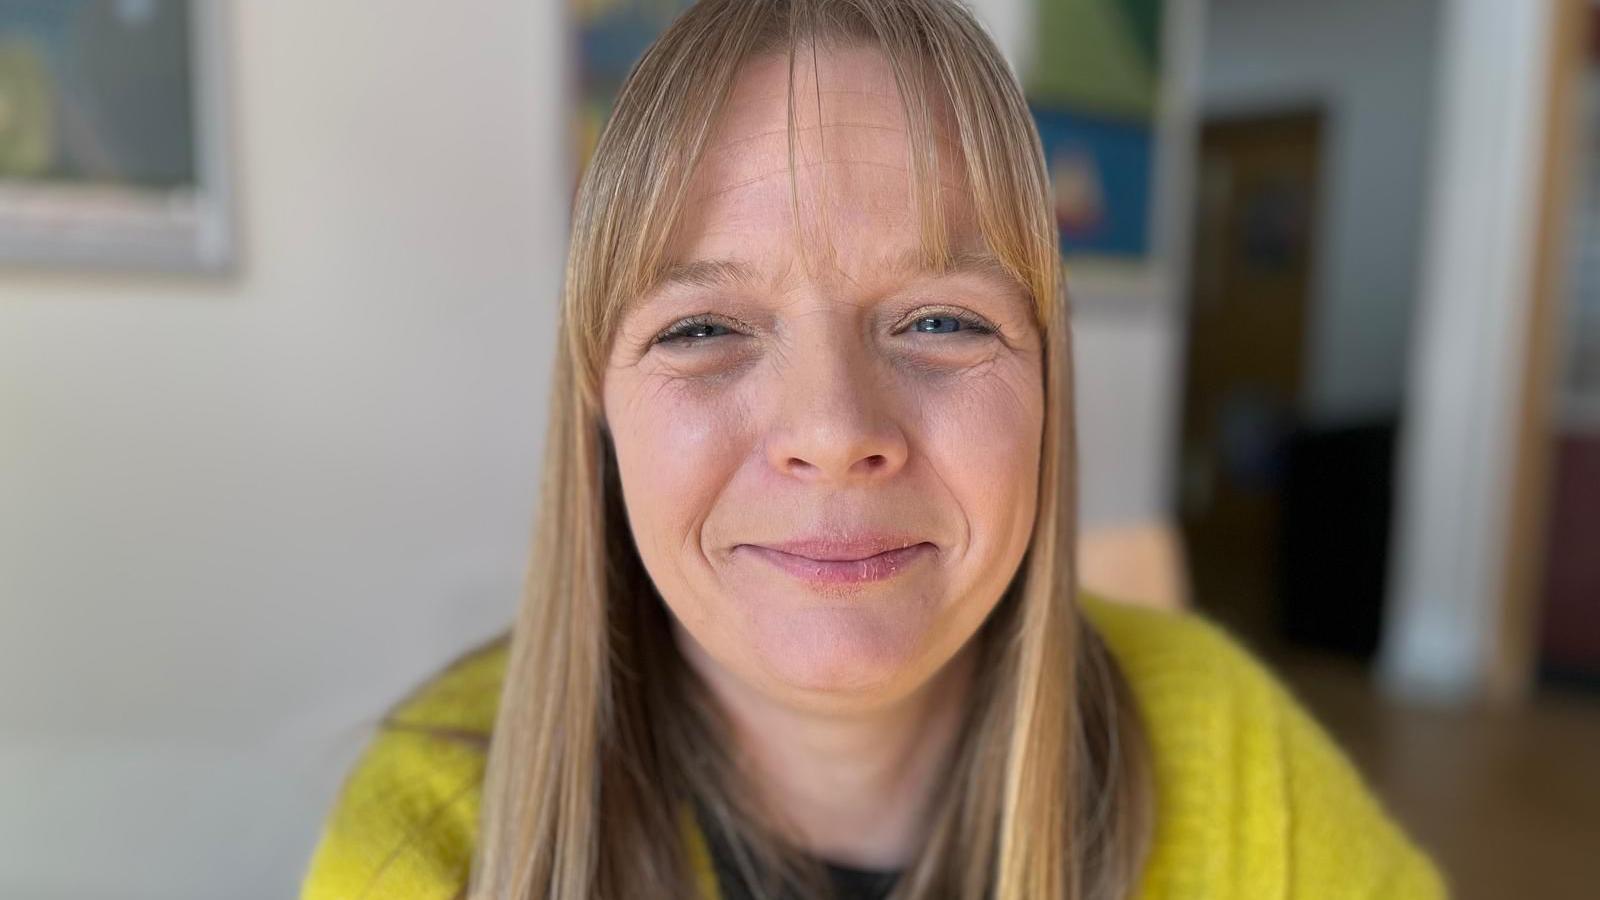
[[847, 201]]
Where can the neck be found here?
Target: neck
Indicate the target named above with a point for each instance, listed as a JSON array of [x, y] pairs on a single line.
[[853, 788]]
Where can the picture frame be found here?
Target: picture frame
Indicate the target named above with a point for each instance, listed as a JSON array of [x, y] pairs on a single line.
[[114, 145], [1117, 118]]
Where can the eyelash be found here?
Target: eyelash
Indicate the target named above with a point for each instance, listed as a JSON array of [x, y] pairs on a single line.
[[678, 332]]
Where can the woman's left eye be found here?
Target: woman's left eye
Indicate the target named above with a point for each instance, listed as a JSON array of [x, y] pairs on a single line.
[[950, 323]]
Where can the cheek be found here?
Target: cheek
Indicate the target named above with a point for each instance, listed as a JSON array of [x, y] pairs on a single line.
[[675, 451], [983, 433]]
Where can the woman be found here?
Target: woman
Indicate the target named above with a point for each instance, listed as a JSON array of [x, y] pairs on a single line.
[[801, 619]]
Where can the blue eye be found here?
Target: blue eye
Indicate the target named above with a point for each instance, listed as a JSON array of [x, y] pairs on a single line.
[[689, 331], [962, 322]]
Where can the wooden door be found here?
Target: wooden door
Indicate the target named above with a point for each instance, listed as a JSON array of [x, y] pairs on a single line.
[[1249, 297]]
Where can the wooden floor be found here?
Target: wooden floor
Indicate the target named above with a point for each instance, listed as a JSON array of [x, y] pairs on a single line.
[[1508, 803]]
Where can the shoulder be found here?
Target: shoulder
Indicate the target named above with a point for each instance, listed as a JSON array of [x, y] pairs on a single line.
[[1254, 798], [404, 823]]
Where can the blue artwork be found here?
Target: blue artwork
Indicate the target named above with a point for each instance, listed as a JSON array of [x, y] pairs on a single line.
[[1100, 171]]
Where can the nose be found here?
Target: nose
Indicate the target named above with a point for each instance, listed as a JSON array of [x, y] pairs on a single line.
[[838, 417]]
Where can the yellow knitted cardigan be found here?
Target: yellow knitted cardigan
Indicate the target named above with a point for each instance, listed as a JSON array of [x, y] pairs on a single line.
[[1253, 798]]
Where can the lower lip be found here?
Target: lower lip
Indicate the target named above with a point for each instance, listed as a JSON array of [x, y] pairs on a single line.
[[846, 571]]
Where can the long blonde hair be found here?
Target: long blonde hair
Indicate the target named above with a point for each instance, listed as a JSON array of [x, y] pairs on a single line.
[[603, 732]]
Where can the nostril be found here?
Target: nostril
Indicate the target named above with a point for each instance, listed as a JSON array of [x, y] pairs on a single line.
[[871, 465], [800, 464]]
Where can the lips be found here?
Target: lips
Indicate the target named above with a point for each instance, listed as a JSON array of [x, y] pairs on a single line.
[[846, 549], [856, 561]]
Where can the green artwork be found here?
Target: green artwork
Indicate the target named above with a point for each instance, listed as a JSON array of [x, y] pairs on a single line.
[[1094, 85], [1098, 56]]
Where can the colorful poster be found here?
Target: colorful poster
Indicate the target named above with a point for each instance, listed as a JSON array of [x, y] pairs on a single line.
[[1094, 88]]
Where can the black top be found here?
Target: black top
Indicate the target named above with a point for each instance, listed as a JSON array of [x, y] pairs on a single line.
[[849, 883]]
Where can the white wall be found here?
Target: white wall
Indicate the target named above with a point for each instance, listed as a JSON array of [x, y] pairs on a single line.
[[1371, 64], [239, 517]]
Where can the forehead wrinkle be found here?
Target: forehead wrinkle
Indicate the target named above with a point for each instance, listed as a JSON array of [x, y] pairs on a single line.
[[763, 176], [904, 264], [732, 143], [768, 101]]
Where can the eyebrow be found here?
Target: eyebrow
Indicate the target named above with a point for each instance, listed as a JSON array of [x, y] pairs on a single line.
[[714, 273]]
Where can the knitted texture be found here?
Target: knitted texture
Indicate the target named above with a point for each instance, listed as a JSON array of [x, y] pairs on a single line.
[[1253, 799]]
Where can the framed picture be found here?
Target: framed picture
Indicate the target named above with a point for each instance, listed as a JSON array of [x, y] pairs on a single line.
[[113, 150], [1110, 84]]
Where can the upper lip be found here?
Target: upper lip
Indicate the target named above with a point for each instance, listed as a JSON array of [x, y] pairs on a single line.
[[842, 549]]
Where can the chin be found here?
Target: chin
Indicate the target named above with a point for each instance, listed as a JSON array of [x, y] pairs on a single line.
[[843, 652]]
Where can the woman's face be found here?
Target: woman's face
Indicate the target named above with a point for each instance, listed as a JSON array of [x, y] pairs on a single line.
[[828, 413]]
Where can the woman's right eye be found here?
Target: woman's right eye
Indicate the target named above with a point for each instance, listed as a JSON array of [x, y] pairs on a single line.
[[690, 331]]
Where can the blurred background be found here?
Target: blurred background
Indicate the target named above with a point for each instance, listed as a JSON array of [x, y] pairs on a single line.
[[278, 292]]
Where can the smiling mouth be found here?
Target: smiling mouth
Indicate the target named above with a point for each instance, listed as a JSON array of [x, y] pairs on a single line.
[[878, 567]]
